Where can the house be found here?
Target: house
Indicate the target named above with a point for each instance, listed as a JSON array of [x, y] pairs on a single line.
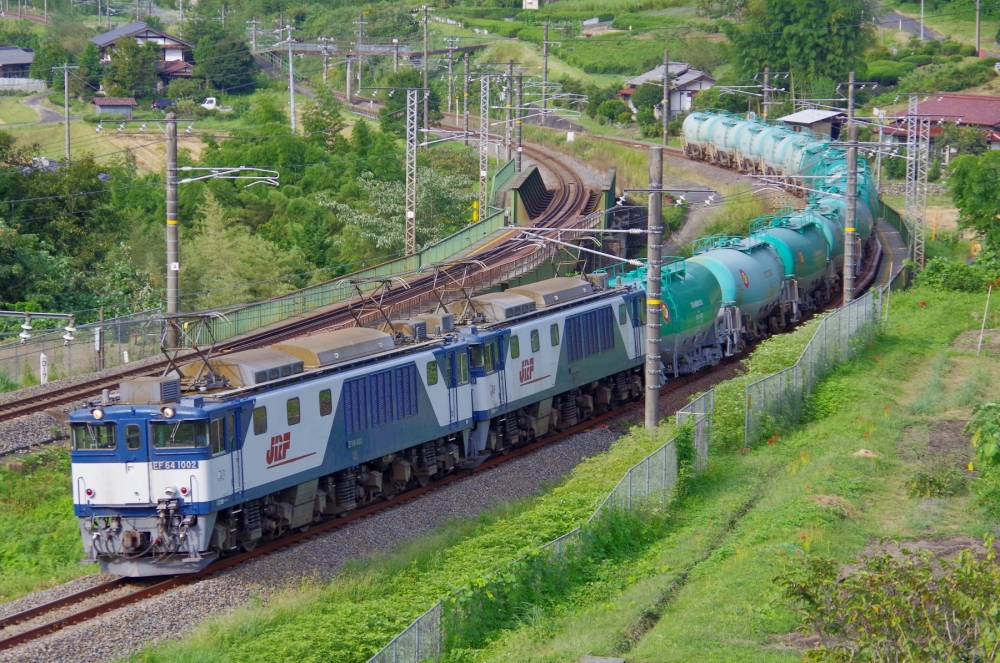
[[120, 106], [15, 62], [964, 109], [685, 83], [171, 48], [825, 122]]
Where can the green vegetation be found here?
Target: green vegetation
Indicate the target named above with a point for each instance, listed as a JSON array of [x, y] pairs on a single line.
[[39, 536]]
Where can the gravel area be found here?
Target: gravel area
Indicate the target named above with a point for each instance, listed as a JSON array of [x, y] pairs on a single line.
[[24, 433], [44, 596], [132, 627], [42, 389]]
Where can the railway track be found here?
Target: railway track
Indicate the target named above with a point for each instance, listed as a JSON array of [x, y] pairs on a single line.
[[563, 209], [36, 627]]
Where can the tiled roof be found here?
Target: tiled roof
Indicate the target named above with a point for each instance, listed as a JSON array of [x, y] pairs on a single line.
[[975, 109], [681, 73], [12, 55], [114, 101], [107, 38]]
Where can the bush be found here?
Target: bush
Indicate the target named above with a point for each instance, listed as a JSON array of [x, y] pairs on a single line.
[[918, 60], [184, 88], [612, 109], [942, 274], [885, 72], [625, 117], [939, 481]]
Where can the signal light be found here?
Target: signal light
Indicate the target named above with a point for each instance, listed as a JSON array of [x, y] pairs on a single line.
[[90, 492], [184, 490]]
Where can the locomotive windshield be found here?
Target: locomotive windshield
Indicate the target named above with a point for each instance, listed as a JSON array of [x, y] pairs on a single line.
[[94, 437], [180, 435]]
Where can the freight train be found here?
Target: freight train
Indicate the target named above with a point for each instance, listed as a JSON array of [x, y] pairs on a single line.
[[176, 471]]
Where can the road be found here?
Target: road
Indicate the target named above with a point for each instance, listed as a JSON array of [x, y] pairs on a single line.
[[34, 102], [893, 20]]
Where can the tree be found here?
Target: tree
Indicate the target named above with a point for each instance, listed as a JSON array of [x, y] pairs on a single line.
[[810, 38], [612, 108], [225, 63], [48, 56], [966, 139], [647, 95], [975, 188], [87, 78], [392, 117], [132, 67], [322, 115]]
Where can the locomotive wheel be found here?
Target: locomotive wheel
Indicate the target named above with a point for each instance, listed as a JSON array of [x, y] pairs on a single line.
[[248, 546]]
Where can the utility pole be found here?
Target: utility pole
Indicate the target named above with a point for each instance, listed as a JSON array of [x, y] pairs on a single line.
[[508, 126], [654, 237], [850, 225], [451, 58], [180, 19], [426, 88], [545, 70], [350, 79], [517, 123], [137, 10], [978, 8], [326, 58], [767, 91], [223, 17], [291, 75], [173, 264], [465, 102], [395, 55], [253, 33], [65, 70], [665, 108], [361, 37]]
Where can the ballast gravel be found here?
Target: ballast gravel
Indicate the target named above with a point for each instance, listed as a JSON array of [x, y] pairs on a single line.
[[174, 613], [25, 433]]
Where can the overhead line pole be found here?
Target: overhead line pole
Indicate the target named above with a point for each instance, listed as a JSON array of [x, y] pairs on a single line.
[[291, 75], [173, 264], [517, 123], [654, 238], [465, 99], [451, 61], [545, 69], [665, 108], [65, 69], [850, 226], [509, 116], [978, 26], [426, 88]]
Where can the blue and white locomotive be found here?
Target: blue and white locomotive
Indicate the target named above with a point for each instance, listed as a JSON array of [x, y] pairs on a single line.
[[181, 469]]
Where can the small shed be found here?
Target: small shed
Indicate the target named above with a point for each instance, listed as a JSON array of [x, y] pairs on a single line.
[[120, 106], [825, 122]]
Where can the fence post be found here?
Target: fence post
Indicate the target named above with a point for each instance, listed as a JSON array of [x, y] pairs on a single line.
[[630, 491]]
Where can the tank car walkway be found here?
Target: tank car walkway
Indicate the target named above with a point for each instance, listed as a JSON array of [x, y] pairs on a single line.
[[894, 252]]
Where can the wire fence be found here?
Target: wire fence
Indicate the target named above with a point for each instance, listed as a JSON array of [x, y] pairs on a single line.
[[699, 413], [95, 345], [420, 641], [778, 399]]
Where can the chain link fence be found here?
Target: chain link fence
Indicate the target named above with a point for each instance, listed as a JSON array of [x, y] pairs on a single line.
[[778, 399], [421, 641], [656, 474], [699, 412], [95, 345]]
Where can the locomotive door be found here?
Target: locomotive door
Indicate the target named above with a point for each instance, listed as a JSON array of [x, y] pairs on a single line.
[[137, 463], [500, 353], [451, 379], [235, 453], [638, 308]]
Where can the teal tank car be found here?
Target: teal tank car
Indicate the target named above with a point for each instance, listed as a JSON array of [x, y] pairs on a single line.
[[801, 244], [748, 160], [803, 158], [833, 229], [698, 131], [725, 140]]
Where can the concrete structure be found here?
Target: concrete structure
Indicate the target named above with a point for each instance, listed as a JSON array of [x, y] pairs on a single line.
[[120, 106], [823, 122], [685, 83], [15, 62]]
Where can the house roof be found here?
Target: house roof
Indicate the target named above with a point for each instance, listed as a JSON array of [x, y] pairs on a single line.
[[975, 109], [681, 74], [114, 101], [12, 55], [811, 116], [132, 29]]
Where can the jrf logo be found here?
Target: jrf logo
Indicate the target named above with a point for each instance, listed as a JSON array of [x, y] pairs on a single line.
[[527, 368], [279, 448]]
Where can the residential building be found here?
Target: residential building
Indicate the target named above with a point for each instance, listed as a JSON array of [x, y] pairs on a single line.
[[15, 62], [976, 110], [171, 64], [685, 83]]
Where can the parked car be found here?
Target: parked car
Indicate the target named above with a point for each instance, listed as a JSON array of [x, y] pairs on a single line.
[[163, 104], [211, 103]]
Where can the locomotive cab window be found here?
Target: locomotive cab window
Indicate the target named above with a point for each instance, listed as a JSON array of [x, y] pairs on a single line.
[[180, 435], [515, 347], [463, 368], [133, 437], [325, 403], [477, 355], [622, 315], [260, 421], [554, 333], [492, 356], [218, 436], [231, 431], [294, 411], [94, 437], [536, 344], [432, 373]]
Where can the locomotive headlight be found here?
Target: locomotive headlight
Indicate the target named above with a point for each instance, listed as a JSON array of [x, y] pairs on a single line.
[[97, 413], [170, 491], [167, 412]]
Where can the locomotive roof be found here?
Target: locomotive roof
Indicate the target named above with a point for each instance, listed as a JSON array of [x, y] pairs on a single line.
[[555, 291], [336, 346], [243, 368]]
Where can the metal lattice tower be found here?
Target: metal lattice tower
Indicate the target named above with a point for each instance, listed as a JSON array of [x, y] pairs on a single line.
[[411, 171], [484, 141], [918, 138]]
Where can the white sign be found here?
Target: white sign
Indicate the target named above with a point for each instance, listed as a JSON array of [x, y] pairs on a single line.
[[570, 136], [125, 356], [43, 368], [97, 340], [530, 4], [175, 267]]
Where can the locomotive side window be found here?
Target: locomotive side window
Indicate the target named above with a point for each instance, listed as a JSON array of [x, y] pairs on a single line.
[[432, 373], [463, 368], [94, 437], [260, 376], [260, 421], [325, 403], [535, 343], [622, 315], [554, 334], [133, 438], [491, 356], [180, 435], [515, 347], [294, 411], [218, 436], [477, 356]]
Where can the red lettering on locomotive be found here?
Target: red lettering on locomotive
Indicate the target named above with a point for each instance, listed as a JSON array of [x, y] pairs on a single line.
[[527, 368], [279, 448]]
